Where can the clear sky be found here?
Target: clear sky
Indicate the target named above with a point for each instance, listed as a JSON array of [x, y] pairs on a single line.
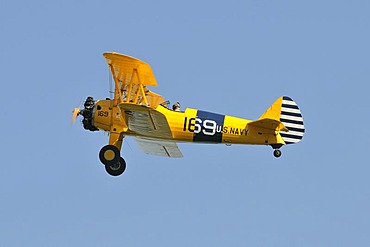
[[231, 57]]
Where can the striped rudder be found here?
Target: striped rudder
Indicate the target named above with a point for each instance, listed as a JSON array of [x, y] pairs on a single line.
[[291, 117]]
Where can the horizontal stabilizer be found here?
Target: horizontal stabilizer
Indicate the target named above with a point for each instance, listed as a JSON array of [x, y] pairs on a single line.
[[268, 123]]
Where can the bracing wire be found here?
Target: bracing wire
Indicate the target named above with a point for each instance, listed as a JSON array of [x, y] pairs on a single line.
[[110, 84], [128, 144]]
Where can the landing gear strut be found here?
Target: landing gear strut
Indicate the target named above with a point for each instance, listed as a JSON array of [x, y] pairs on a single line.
[[114, 164]]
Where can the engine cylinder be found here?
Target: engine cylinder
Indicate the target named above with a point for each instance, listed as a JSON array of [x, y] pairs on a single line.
[[88, 114]]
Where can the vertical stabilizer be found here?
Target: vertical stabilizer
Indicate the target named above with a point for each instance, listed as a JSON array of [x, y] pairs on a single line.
[[285, 110]]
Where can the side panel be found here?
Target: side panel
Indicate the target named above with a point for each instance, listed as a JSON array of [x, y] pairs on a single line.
[[207, 127], [103, 115], [181, 123], [235, 130], [108, 117]]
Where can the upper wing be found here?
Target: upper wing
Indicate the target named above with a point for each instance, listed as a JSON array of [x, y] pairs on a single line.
[[159, 147], [123, 68], [131, 77], [145, 121]]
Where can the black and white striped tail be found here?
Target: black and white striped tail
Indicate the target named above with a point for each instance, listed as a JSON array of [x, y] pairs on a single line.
[[291, 117]]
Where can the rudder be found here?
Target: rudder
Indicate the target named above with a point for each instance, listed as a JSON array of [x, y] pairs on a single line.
[[291, 117]]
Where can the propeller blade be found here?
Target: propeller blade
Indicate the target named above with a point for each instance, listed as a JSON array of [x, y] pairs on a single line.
[[75, 113]]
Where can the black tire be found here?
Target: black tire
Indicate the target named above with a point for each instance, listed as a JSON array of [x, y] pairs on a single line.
[[277, 153], [116, 169], [109, 155]]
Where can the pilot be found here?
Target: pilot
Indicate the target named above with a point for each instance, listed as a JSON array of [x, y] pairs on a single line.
[[176, 106]]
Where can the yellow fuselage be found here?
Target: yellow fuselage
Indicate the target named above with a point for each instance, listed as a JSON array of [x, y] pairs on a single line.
[[192, 125]]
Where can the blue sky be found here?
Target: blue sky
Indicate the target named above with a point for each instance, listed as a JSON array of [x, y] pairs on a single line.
[[232, 57]]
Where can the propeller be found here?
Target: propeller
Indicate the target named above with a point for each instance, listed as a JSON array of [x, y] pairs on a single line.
[[75, 113]]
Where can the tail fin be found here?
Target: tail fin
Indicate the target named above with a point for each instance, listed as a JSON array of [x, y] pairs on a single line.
[[285, 110]]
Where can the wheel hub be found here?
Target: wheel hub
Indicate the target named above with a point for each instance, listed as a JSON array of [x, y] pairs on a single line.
[[109, 155], [116, 167]]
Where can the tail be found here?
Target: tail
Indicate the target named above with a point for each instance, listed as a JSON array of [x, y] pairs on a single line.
[[286, 111], [291, 117]]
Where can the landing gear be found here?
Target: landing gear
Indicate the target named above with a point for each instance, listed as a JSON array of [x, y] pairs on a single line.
[[109, 155], [114, 164], [116, 169], [277, 153]]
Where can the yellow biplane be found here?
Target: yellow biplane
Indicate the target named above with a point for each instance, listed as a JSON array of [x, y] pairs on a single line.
[[136, 111]]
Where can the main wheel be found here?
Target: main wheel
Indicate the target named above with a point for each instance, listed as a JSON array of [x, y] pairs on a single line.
[[277, 153], [116, 169], [109, 155]]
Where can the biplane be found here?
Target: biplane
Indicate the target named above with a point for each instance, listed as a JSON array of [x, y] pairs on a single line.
[[138, 112]]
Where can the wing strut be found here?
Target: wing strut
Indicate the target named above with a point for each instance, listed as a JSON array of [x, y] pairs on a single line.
[[140, 90], [117, 90], [132, 77]]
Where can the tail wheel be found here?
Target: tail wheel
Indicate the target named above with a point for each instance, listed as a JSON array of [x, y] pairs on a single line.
[[277, 153], [116, 169], [109, 155]]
